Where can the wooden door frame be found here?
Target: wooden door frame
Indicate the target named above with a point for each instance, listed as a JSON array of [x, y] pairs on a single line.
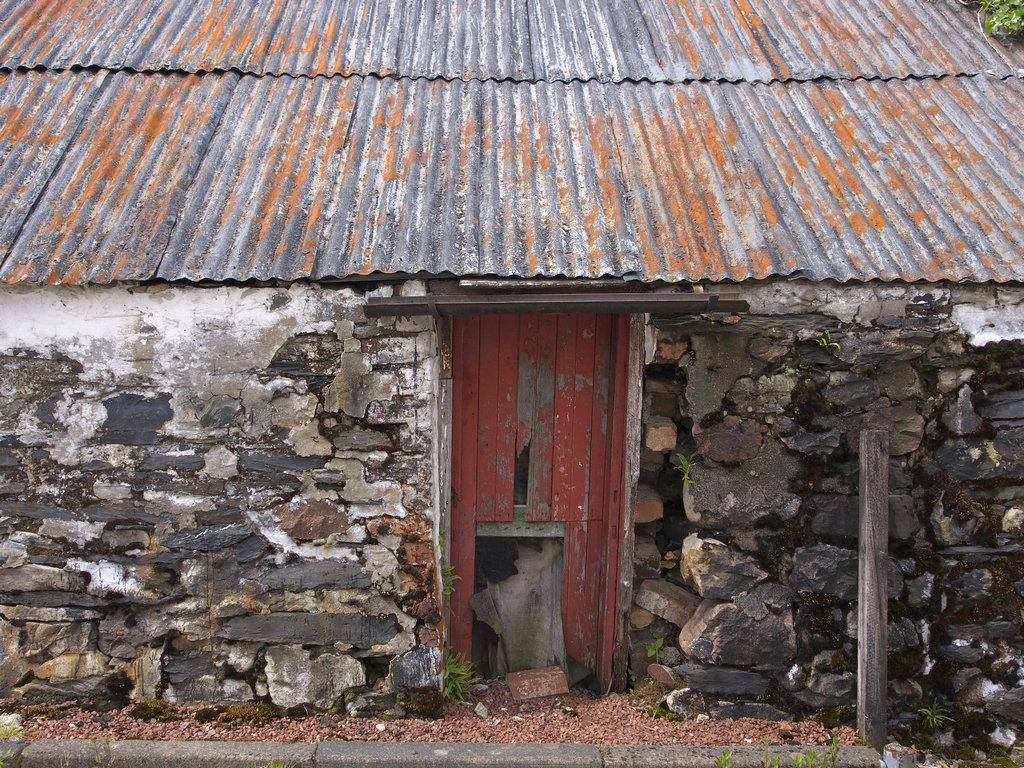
[[632, 391]]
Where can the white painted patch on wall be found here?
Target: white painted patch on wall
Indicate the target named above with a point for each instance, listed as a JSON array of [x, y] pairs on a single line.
[[109, 577]]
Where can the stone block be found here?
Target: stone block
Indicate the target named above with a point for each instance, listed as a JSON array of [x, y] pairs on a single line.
[[134, 419], [824, 569], [743, 497], [640, 618], [722, 680], [850, 392], [646, 558], [767, 394], [419, 668], [661, 434], [904, 424], [316, 575], [647, 506], [730, 441], [355, 629], [39, 578], [294, 677], [715, 570], [665, 599], [209, 538], [722, 633], [961, 418], [1004, 409], [311, 519]]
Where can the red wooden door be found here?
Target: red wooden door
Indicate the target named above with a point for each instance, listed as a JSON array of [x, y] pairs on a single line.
[[538, 406]]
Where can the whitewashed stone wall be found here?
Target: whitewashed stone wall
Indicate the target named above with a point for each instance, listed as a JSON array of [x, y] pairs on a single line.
[[214, 494], [746, 562]]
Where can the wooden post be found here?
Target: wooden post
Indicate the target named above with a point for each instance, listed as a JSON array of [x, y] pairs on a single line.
[[872, 598]]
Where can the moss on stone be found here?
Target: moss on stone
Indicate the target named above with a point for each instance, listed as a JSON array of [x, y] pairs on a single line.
[[155, 709], [250, 713]]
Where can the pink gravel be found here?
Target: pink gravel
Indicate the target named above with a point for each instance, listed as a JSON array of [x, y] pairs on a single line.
[[577, 717]]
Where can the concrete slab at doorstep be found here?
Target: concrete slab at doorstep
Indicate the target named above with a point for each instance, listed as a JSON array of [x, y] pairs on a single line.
[[82, 753]]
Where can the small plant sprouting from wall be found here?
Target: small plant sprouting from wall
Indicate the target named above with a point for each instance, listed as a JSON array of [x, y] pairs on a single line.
[[827, 343], [458, 676], [685, 462]]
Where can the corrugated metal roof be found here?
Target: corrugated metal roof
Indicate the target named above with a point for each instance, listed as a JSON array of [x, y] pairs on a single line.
[[192, 177], [522, 40]]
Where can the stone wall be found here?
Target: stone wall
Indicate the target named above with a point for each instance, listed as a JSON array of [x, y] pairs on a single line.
[[746, 534], [216, 494]]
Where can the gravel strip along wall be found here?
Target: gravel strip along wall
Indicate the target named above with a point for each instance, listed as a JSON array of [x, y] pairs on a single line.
[[747, 511], [216, 494]]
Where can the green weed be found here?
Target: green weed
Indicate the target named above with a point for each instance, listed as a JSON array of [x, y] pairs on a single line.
[[458, 676]]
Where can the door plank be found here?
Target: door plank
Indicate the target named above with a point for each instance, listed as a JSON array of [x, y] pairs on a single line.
[[562, 501], [505, 407], [487, 418], [538, 505]]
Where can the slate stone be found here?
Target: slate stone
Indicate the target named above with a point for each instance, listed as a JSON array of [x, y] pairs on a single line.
[[249, 549], [312, 629], [903, 520], [294, 677], [134, 419], [41, 578], [219, 411], [992, 630], [1004, 409], [1009, 704], [961, 418], [902, 634], [362, 440], [765, 598], [716, 570], [729, 710], [181, 668], [208, 538], [824, 569], [317, 574], [208, 689], [157, 460], [274, 464], [834, 518], [961, 654], [418, 668], [850, 392], [810, 443], [730, 441], [827, 689], [971, 588], [745, 496], [722, 680], [721, 633], [53, 599], [920, 590], [9, 459]]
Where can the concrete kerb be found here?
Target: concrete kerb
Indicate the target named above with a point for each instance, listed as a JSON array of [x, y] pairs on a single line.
[[100, 753]]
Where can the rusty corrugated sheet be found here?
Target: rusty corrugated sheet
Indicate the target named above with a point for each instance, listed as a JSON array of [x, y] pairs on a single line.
[[109, 206], [40, 113], [188, 177], [523, 40]]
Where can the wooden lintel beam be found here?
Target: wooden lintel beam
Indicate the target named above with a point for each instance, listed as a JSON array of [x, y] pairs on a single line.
[[503, 303]]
